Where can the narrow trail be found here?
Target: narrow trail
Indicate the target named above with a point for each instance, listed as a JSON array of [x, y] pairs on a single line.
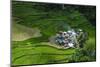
[[55, 45], [43, 44]]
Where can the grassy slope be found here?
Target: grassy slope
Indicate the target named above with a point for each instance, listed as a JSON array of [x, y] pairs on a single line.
[[49, 23], [20, 32]]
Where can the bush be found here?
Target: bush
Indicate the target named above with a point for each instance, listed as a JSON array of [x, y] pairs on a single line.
[[88, 53]]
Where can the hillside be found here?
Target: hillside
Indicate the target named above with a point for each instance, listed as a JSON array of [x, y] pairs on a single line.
[[35, 23]]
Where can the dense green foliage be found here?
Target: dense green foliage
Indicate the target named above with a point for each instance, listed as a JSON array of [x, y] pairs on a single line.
[[49, 19]]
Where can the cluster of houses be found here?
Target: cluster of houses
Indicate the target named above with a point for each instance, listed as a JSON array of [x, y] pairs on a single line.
[[68, 38]]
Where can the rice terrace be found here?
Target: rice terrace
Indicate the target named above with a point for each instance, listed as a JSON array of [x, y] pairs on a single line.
[[46, 33]]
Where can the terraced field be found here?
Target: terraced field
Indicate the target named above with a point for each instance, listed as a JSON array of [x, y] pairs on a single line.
[[28, 52], [41, 53], [34, 24]]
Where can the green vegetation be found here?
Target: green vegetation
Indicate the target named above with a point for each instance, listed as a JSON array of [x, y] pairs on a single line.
[[46, 20], [39, 54], [88, 53]]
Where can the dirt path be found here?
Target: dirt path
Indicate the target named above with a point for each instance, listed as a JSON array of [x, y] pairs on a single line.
[[20, 32], [54, 45]]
